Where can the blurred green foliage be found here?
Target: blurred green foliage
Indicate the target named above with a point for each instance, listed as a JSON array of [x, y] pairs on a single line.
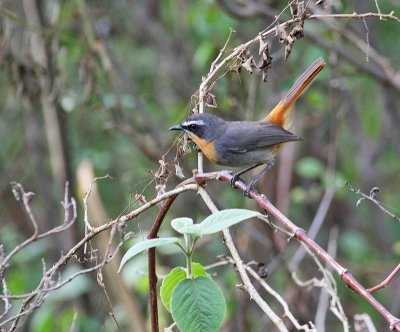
[[126, 71]]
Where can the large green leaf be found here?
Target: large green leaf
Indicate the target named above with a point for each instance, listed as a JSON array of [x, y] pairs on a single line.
[[198, 305], [172, 279], [224, 219], [185, 226], [169, 283], [144, 245]]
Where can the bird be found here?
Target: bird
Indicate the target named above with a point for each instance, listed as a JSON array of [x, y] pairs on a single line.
[[248, 143]]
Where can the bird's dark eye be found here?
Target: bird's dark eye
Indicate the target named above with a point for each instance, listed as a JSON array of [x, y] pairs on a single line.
[[192, 126]]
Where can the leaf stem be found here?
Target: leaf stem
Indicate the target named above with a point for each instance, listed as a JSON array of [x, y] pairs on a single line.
[[188, 254]]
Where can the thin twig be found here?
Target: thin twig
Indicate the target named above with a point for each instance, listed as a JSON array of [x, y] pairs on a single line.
[[381, 16], [385, 282], [300, 235], [248, 286], [38, 296], [309, 327], [371, 197], [26, 198]]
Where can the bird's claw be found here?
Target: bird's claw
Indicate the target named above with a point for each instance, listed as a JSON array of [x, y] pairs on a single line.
[[233, 180], [246, 192]]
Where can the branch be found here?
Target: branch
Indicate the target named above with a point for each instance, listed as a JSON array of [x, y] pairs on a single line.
[[385, 282], [383, 71], [355, 15], [152, 264], [38, 296], [26, 198], [299, 234], [371, 197], [248, 286]]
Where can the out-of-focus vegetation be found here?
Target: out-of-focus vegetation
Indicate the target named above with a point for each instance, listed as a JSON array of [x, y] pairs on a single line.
[[118, 74]]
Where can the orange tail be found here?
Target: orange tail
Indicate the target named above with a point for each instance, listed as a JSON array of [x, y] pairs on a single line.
[[279, 114]]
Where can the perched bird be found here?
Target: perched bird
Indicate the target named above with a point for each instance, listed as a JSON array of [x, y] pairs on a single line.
[[248, 143]]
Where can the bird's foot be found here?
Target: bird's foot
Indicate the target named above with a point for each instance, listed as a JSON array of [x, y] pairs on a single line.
[[246, 192], [235, 178]]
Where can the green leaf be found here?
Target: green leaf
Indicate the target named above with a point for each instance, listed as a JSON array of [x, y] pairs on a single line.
[[185, 226], [198, 305], [224, 219], [169, 283], [198, 270], [172, 279], [144, 245]]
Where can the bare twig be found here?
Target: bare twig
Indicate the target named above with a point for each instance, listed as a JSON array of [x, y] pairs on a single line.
[[371, 197], [5, 298], [88, 227], [40, 294], [248, 286], [300, 235], [323, 301], [385, 282], [309, 327], [26, 198], [358, 16], [37, 297]]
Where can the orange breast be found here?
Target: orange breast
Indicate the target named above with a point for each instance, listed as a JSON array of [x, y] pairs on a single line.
[[207, 147]]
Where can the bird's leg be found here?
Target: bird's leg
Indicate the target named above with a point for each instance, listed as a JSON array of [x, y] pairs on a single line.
[[236, 176], [266, 169]]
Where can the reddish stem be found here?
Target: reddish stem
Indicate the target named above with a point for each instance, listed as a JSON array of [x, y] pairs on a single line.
[[151, 258], [385, 282], [302, 236]]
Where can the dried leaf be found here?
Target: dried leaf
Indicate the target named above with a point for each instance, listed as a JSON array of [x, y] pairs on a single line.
[[297, 9], [298, 31], [249, 64], [265, 64], [183, 147], [179, 171], [162, 172], [288, 48], [160, 189], [263, 41], [141, 199], [281, 32], [211, 100]]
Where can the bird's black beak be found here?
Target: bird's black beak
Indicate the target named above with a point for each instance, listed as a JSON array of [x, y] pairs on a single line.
[[177, 127]]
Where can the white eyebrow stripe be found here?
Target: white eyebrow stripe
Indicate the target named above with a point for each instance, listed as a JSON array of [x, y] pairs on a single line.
[[193, 122]]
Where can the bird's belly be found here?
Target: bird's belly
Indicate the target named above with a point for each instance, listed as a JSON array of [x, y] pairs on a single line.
[[248, 158]]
